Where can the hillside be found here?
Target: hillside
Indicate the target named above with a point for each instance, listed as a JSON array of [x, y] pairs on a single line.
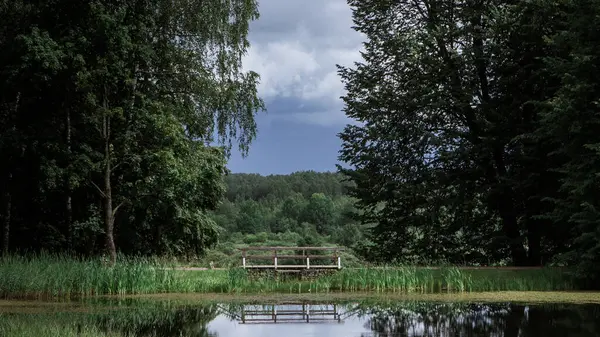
[[303, 208]]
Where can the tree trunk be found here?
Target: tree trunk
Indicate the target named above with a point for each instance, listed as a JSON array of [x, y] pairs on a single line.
[[6, 220], [109, 219], [158, 243], [510, 226], [507, 211], [7, 216], [506, 206], [68, 201], [511, 230], [534, 243], [109, 215], [69, 220]]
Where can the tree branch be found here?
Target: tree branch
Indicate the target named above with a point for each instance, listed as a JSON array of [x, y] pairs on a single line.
[[98, 188], [119, 206]]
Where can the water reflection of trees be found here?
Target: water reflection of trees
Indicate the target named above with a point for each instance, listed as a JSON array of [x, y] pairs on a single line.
[[414, 319], [168, 322], [506, 320], [420, 319]]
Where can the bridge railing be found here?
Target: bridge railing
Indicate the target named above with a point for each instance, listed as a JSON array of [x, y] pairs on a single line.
[[289, 313], [300, 258]]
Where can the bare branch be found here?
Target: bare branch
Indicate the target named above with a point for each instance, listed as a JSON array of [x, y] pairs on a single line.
[[119, 206], [98, 188]]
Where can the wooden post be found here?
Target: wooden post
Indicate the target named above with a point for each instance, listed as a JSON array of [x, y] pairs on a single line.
[[307, 262], [303, 310], [244, 258], [275, 258], [339, 260]]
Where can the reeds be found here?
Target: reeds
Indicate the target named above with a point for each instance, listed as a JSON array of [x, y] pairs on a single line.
[[63, 277], [60, 276], [410, 280], [449, 279]]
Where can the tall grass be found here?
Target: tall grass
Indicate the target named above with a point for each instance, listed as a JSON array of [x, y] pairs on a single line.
[[411, 280], [58, 276], [450, 279]]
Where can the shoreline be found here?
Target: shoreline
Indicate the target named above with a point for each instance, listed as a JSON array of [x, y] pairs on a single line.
[[528, 297]]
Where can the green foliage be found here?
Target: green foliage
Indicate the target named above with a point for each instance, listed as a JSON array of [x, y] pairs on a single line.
[[303, 208], [106, 110], [319, 211], [571, 123], [477, 134]]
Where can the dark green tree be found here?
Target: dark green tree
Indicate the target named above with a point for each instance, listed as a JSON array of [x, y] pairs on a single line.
[[284, 206], [442, 99], [571, 123], [108, 108], [319, 211]]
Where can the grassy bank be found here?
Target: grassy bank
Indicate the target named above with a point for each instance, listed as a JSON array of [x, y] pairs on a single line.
[[62, 277]]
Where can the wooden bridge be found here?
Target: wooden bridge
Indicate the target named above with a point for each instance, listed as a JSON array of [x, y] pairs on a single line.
[[302, 258], [290, 313]]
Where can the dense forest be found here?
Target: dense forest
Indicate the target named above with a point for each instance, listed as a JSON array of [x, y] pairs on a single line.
[[477, 134], [311, 208], [116, 118]]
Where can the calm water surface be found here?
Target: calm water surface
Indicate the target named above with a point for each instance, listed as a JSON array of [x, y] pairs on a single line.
[[291, 319]]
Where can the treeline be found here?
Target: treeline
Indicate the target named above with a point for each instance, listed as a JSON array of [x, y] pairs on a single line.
[[106, 110], [312, 208], [479, 133]]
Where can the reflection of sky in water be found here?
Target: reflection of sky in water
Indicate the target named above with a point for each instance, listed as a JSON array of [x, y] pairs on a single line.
[[351, 326], [226, 327]]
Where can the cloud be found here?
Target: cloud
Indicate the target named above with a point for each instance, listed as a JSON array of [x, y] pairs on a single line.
[[295, 46]]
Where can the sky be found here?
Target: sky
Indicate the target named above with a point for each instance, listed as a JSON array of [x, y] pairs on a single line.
[[295, 46]]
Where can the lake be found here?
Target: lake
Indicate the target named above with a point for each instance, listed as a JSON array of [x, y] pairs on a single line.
[[290, 317]]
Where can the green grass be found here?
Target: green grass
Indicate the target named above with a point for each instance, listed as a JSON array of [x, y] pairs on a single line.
[[62, 277], [408, 280], [59, 276]]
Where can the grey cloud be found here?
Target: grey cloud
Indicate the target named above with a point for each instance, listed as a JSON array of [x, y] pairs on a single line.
[[319, 20], [295, 47], [298, 105]]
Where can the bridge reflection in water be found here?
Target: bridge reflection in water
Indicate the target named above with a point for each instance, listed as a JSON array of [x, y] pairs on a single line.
[[290, 313]]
